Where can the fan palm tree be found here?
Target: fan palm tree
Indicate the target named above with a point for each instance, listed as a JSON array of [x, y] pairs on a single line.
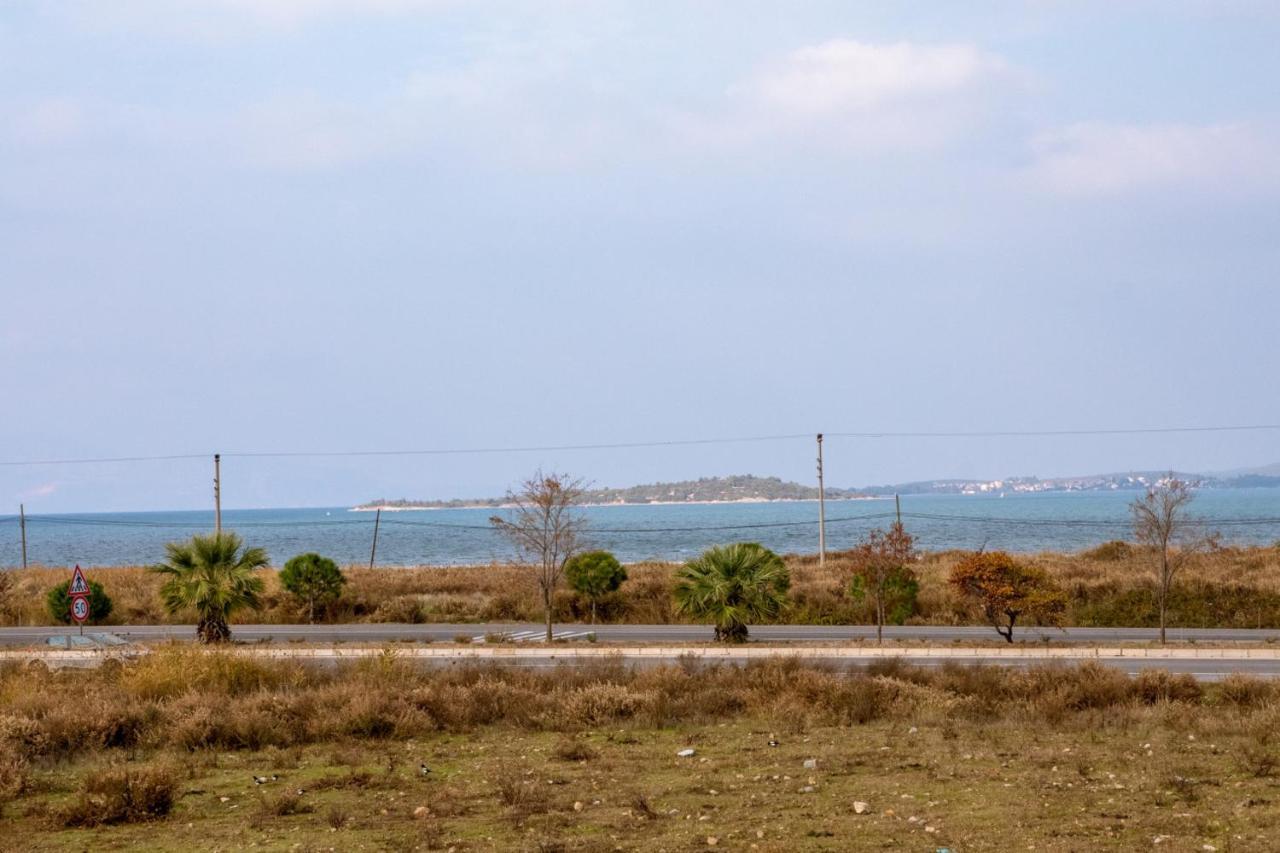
[[733, 585], [211, 575]]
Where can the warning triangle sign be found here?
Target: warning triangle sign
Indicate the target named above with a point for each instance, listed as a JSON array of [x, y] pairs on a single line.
[[79, 586]]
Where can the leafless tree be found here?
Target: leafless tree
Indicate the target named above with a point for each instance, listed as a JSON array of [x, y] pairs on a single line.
[[545, 528], [1162, 521]]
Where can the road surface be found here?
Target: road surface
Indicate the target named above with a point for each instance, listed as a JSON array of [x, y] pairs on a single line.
[[532, 632], [1208, 655]]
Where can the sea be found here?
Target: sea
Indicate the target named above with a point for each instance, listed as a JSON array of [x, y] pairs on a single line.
[[1018, 522]]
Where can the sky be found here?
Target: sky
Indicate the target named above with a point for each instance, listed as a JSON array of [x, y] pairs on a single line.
[[253, 226]]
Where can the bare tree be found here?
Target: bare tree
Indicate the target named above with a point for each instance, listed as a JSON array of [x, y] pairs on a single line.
[[1162, 521], [544, 528]]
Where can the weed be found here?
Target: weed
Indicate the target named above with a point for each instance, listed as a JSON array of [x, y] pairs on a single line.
[[573, 749], [286, 802], [122, 795]]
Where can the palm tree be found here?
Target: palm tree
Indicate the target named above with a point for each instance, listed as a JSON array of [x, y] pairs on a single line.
[[211, 575], [733, 585]]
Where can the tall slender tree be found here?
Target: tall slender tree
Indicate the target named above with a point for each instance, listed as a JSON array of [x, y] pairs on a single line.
[[545, 528], [1163, 522], [214, 577]]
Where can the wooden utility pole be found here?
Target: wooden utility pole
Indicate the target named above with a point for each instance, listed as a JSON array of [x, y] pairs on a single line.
[[822, 510], [897, 504], [373, 552], [217, 493], [22, 523]]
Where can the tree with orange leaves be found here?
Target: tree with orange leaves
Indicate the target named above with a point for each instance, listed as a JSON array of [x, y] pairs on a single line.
[[1007, 590]]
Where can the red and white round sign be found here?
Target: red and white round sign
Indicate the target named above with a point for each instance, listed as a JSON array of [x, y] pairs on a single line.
[[80, 608]]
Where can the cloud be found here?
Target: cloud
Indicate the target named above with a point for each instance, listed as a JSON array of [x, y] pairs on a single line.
[[862, 95], [842, 76], [43, 490], [1097, 158]]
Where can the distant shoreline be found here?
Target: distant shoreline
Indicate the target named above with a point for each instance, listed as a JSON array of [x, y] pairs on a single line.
[[737, 502]]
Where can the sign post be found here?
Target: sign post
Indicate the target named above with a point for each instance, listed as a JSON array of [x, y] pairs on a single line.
[[78, 590]]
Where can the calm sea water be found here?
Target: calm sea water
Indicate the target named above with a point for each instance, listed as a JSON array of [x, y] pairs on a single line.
[[1022, 522]]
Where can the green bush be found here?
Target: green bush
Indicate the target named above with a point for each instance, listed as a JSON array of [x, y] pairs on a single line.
[[59, 603], [313, 580], [594, 574], [901, 592]]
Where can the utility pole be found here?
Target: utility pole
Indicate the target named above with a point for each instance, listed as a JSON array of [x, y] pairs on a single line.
[[897, 504], [217, 493], [822, 510], [22, 523], [373, 552]]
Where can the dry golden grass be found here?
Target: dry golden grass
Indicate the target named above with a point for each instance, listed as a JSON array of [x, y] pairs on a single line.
[[162, 753], [191, 698], [1229, 587]]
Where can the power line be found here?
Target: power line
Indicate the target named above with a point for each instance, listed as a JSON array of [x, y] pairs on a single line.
[[630, 445], [1056, 432], [869, 517], [105, 460]]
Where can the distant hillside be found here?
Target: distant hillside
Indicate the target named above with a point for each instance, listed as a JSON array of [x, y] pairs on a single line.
[[741, 488], [748, 488], [1259, 471], [1129, 481]]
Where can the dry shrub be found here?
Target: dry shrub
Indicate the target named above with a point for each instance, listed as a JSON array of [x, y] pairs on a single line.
[[282, 804], [1245, 691], [602, 703], [352, 779], [1088, 686], [1260, 760], [123, 795], [641, 807], [1157, 685], [1109, 552], [15, 774], [574, 749], [519, 791], [177, 669], [21, 736], [402, 608], [228, 705]]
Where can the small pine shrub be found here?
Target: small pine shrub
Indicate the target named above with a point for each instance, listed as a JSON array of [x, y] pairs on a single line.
[[58, 603]]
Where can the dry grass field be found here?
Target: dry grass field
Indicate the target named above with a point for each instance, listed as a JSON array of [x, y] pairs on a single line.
[[1230, 587], [163, 753]]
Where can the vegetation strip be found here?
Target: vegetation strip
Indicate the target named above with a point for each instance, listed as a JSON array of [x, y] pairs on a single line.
[[191, 748], [621, 653]]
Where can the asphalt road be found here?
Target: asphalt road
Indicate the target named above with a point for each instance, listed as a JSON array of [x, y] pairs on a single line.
[[325, 644], [532, 632]]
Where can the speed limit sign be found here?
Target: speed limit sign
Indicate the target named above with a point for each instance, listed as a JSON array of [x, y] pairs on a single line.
[[80, 609]]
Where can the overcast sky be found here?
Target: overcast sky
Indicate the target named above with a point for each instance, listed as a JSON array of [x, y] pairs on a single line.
[[282, 225]]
